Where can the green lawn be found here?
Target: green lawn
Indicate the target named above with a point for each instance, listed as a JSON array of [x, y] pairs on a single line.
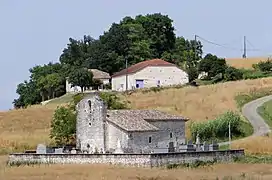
[[266, 112]]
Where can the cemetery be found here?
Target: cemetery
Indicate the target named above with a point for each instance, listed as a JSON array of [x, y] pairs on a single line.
[[146, 138]]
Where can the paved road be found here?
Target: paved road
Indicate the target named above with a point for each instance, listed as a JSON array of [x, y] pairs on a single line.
[[250, 112]]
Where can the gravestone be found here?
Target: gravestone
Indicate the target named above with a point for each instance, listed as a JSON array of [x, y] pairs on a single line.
[[205, 146], [41, 149], [59, 151], [189, 147], [73, 151], [214, 146]]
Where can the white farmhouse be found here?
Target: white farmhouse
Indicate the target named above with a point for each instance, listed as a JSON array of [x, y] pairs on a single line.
[[149, 73], [97, 74]]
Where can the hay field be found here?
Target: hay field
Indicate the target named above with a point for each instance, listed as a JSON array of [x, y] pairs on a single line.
[[244, 63], [99, 172]]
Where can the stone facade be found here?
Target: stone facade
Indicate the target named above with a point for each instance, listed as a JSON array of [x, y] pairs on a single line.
[[91, 127], [140, 160], [169, 133], [137, 131]]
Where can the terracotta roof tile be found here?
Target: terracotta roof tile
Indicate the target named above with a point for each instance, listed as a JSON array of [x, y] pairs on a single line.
[[141, 65], [137, 120]]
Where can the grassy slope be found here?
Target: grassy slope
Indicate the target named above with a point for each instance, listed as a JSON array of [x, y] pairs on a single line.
[[20, 129], [266, 112], [61, 100]]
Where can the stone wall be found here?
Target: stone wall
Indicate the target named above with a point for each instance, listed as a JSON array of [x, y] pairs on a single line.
[[160, 140], [139, 160]]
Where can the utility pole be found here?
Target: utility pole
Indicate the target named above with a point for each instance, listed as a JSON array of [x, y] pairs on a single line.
[[229, 137], [126, 74], [196, 47], [244, 55]]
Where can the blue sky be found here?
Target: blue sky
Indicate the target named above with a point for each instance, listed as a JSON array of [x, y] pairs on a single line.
[[35, 32]]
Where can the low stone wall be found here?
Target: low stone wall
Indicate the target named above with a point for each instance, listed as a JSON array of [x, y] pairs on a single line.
[[158, 160], [139, 160]]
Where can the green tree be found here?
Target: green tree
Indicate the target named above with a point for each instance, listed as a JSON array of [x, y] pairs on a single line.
[[53, 81], [233, 74], [96, 83], [81, 77], [28, 94], [212, 65], [63, 126]]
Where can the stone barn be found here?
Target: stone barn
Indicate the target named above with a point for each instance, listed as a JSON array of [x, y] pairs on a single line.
[[126, 131]]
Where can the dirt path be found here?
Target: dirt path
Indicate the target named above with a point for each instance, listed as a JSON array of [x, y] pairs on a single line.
[[250, 111]]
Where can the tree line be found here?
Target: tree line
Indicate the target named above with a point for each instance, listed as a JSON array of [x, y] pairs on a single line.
[[132, 39]]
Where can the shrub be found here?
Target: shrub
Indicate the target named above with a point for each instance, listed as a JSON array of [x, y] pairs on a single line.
[[107, 86], [233, 74], [264, 66], [254, 74], [218, 128], [218, 78], [112, 101], [63, 126]]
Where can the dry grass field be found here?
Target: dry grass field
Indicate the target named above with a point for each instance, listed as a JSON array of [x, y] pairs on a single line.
[[24, 129], [198, 103], [244, 63], [103, 172]]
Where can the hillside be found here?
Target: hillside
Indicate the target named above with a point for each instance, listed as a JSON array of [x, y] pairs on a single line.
[[25, 128], [198, 103], [244, 63]]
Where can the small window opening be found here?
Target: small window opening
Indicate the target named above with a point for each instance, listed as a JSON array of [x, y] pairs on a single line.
[[149, 140], [90, 124], [171, 135], [130, 136], [90, 105]]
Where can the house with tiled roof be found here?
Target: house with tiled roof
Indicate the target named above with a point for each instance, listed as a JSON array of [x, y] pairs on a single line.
[[104, 77], [149, 73], [126, 131]]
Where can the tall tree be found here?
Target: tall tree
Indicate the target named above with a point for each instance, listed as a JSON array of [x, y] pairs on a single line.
[[81, 77], [212, 65], [28, 94]]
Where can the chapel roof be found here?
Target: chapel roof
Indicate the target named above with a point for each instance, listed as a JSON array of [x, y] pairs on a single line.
[[138, 120]]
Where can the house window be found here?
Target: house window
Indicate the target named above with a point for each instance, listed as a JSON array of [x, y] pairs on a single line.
[[130, 136], [90, 124], [171, 135], [122, 85], [149, 140]]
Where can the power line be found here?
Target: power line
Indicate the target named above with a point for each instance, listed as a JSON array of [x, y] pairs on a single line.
[[223, 46]]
